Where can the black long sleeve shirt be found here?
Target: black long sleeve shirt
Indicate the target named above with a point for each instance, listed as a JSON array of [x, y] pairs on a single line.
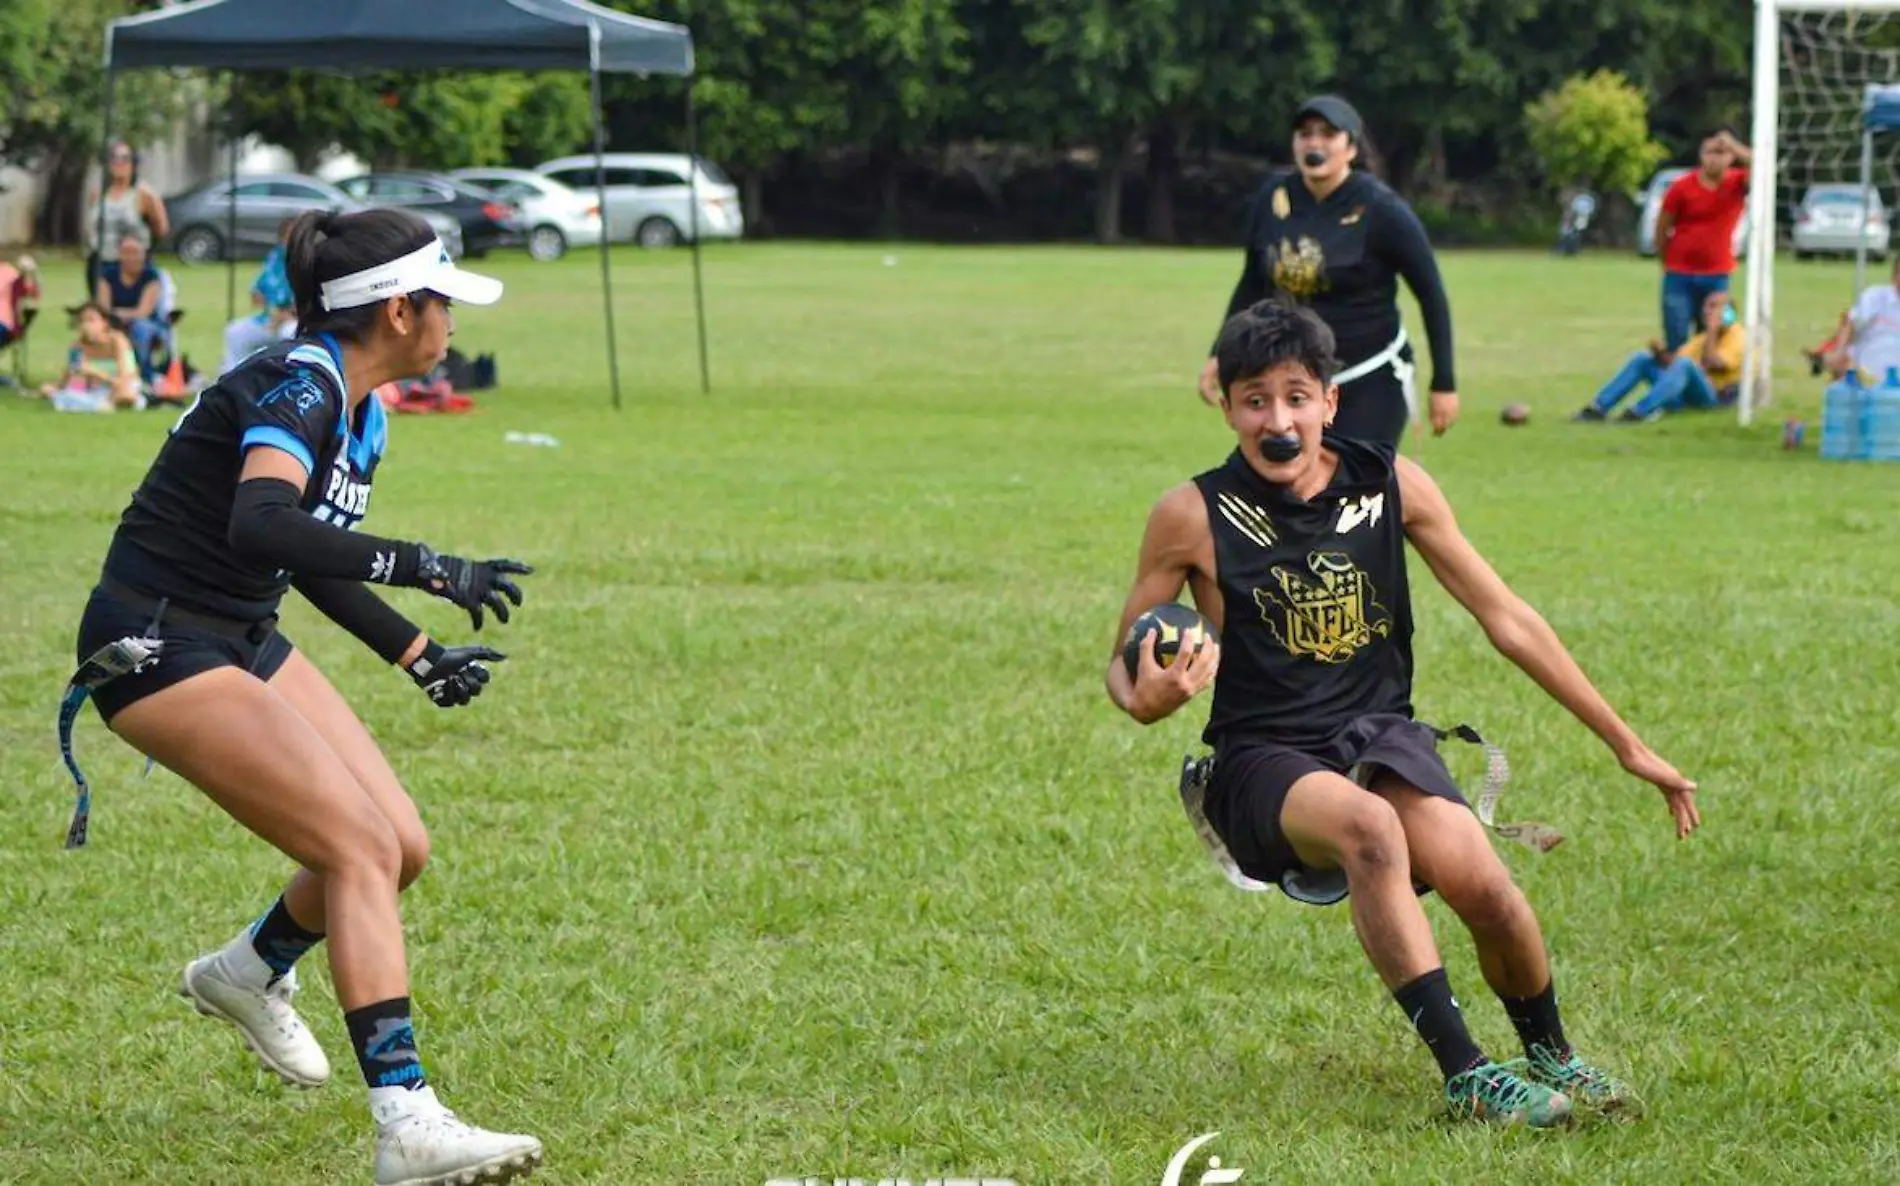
[[1342, 256]]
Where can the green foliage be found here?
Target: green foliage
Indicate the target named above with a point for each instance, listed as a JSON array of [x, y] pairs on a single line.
[[1442, 87], [771, 81], [419, 119], [55, 88], [1594, 131], [551, 116]]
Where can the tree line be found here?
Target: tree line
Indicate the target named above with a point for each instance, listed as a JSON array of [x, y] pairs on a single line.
[[1104, 119]]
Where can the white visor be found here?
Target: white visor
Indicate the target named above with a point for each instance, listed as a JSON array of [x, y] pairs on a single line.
[[427, 267]]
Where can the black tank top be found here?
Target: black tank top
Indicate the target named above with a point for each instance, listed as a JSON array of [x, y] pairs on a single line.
[[1319, 614]]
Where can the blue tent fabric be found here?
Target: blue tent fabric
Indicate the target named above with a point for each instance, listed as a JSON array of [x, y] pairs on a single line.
[[364, 35], [1881, 111]]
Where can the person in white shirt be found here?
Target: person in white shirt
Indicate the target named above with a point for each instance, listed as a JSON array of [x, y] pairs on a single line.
[[1868, 339]]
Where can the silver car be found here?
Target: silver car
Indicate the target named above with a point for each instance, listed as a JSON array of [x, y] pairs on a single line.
[[1836, 219], [201, 217], [1651, 202]]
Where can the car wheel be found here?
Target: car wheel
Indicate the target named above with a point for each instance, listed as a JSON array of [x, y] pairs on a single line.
[[546, 243], [199, 245], [657, 232]]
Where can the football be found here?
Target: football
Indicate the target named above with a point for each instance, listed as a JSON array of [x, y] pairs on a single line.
[[1516, 414], [1171, 621]]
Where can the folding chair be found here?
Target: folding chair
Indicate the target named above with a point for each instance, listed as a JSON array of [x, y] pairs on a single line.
[[26, 309]]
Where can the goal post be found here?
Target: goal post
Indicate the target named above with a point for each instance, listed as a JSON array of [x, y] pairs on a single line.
[[1818, 68]]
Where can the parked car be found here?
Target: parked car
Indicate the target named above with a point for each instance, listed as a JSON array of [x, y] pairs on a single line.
[[1836, 219], [487, 222], [649, 197], [1651, 202], [200, 217], [556, 216]]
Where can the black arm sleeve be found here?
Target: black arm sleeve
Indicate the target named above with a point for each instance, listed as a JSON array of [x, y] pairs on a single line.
[[362, 613], [1403, 243], [1253, 285], [269, 528]]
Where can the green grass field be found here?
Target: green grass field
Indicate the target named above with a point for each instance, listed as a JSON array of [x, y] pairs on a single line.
[[797, 837]]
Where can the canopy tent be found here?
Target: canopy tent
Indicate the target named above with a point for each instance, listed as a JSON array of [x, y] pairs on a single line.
[[1880, 112], [362, 35]]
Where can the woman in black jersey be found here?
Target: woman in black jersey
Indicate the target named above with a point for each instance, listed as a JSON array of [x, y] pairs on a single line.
[[1322, 782], [257, 491], [1337, 239]]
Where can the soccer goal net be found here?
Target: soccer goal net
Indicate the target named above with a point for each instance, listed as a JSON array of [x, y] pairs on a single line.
[[1826, 140]]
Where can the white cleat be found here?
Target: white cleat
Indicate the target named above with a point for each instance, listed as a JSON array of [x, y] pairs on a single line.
[[421, 1143], [262, 1013]]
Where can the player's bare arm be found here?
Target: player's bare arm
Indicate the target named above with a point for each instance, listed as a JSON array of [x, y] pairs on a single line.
[[1522, 635], [1177, 548]]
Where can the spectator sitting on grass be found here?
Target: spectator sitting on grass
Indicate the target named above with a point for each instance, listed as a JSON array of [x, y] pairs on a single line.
[[101, 374], [1705, 373]]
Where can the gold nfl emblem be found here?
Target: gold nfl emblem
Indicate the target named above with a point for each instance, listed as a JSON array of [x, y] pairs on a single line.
[[1329, 619]]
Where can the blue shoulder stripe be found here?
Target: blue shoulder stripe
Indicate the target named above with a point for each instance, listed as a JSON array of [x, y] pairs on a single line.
[[368, 449], [311, 355], [278, 438]]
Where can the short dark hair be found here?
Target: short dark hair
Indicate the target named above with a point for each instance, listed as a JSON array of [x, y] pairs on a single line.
[[325, 246], [1270, 332]]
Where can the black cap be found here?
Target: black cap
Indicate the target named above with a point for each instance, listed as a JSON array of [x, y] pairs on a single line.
[[1334, 110]]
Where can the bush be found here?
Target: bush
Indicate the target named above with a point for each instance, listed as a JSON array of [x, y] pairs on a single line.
[[1593, 131]]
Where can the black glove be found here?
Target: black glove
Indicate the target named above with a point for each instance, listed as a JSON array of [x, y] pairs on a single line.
[[470, 584], [452, 676]]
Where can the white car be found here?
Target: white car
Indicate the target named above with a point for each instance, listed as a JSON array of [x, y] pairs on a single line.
[[1838, 219], [557, 217], [648, 198]]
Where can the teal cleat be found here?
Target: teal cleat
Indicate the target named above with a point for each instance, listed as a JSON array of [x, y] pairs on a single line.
[[1497, 1095], [1586, 1086]]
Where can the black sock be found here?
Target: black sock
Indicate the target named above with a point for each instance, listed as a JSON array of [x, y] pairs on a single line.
[[385, 1044], [1537, 1022], [279, 940], [1433, 1011]]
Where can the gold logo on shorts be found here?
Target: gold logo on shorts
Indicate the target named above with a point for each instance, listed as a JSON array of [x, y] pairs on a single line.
[[1329, 616]]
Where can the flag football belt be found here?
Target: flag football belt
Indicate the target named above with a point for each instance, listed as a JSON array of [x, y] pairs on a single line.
[[1198, 773], [106, 664], [161, 609], [1391, 356], [125, 657], [1366, 366]]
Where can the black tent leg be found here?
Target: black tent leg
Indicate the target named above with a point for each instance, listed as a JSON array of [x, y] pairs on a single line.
[[230, 212], [699, 294], [105, 179], [606, 239]]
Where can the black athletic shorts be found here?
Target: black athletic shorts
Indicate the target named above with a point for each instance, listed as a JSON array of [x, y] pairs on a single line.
[[194, 643], [1251, 780], [1373, 407]]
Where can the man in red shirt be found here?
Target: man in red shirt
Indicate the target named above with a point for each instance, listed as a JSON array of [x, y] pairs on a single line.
[[1696, 231]]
